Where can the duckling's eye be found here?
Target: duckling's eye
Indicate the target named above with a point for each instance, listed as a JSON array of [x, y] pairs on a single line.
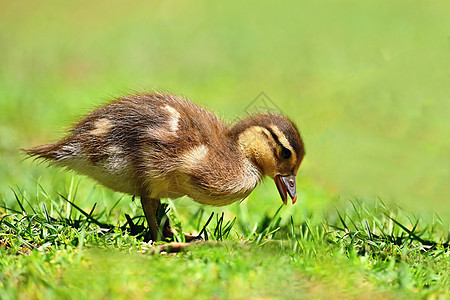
[[285, 153]]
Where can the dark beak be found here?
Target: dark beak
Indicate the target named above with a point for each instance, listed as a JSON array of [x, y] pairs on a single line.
[[285, 185]]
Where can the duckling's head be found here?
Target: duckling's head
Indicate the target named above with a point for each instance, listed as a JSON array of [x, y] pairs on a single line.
[[273, 144]]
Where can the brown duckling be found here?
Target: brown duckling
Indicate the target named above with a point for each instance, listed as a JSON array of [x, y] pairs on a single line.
[[161, 146]]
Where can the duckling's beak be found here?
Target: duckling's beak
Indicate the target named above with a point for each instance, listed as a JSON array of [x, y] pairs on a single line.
[[285, 185]]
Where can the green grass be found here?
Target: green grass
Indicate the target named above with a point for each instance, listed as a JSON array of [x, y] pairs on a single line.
[[366, 82], [358, 250]]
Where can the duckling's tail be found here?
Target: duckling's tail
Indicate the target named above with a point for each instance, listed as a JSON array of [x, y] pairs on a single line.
[[49, 152]]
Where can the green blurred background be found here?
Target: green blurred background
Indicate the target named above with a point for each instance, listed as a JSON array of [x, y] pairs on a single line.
[[366, 82]]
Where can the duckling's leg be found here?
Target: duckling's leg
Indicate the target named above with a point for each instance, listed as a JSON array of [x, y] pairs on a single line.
[[150, 207]]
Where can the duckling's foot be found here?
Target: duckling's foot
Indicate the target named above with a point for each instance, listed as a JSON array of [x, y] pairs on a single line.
[[192, 238], [168, 233]]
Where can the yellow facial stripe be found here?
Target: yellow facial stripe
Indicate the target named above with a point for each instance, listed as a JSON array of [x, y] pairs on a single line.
[[252, 139], [254, 143]]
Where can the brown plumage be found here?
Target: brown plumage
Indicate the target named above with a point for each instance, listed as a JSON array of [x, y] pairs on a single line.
[[160, 146]]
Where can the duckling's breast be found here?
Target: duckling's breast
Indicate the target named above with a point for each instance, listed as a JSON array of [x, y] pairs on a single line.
[[230, 180], [209, 174]]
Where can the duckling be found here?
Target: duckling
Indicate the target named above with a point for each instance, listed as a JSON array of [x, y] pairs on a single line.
[[158, 146]]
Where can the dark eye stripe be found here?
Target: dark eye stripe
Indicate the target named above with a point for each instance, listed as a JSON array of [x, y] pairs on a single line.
[[285, 152], [275, 154], [274, 136]]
